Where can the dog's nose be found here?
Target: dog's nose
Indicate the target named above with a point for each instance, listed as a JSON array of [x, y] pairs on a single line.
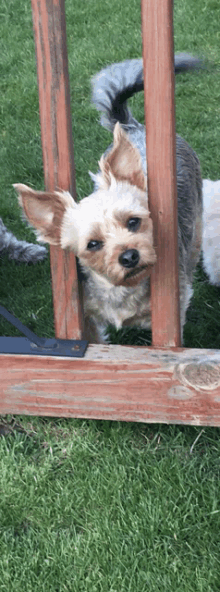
[[129, 258]]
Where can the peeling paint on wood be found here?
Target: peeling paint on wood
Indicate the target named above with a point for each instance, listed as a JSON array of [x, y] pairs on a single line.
[[115, 382]]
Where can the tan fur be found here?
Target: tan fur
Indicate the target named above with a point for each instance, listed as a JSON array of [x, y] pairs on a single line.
[[44, 210], [123, 162]]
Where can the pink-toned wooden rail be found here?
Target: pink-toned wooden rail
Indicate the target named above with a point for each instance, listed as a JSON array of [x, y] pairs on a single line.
[[158, 57], [57, 145], [169, 384]]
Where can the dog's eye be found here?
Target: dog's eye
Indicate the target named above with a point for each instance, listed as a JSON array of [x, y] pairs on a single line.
[[94, 245], [133, 224]]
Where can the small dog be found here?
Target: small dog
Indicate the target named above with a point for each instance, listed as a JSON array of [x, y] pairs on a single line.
[[111, 231], [19, 250], [211, 230]]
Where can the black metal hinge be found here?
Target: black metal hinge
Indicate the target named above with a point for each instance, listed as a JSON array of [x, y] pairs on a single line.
[[34, 345]]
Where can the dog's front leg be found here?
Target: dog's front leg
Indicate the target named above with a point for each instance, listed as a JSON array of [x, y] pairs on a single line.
[[93, 332]]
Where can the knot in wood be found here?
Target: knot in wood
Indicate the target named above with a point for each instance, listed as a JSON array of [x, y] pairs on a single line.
[[199, 375]]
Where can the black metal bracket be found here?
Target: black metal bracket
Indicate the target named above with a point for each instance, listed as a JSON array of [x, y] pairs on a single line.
[[33, 345]]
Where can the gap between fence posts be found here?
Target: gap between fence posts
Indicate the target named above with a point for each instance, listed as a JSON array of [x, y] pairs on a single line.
[[158, 65], [56, 132]]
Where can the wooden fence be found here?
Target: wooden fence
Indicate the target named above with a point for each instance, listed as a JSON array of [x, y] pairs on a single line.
[[164, 383]]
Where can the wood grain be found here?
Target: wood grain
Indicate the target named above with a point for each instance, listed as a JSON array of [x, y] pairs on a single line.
[[57, 146], [158, 57], [115, 382]]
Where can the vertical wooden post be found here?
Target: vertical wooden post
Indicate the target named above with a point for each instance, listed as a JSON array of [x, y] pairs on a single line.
[[158, 58], [57, 146]]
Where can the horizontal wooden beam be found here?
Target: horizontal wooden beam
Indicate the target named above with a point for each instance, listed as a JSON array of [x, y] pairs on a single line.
[[116, 382]]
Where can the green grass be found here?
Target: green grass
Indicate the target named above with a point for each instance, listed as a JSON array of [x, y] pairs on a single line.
[[88, 506], [109, 507]]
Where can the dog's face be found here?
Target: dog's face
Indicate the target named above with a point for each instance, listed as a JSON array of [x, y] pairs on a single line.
[[111, 230]]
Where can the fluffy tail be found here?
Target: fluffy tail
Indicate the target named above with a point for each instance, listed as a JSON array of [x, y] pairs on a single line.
[[114, 85], [20, 250]]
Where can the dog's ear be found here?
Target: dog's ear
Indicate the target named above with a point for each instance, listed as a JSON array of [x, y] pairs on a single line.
[[46, 212], [123, 162]]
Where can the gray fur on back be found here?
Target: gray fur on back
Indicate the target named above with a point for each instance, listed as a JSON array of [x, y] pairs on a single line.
[[111, 88]]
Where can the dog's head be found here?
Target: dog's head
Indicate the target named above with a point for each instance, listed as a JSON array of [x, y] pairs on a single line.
[[111, 230]]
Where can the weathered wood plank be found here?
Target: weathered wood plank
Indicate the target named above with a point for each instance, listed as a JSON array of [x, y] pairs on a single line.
[[115, 382], [57, 146], [158, 56]]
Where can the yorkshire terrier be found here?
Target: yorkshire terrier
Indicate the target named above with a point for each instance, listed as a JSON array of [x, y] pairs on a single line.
[[111, 231]]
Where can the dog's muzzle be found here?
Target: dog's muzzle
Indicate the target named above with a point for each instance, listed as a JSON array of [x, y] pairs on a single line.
[[129, 258]]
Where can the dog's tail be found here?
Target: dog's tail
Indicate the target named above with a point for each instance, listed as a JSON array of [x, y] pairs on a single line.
[[114, 85], [20, 250]]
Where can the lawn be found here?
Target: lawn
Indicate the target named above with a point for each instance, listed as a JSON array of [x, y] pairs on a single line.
[[104, 506]]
